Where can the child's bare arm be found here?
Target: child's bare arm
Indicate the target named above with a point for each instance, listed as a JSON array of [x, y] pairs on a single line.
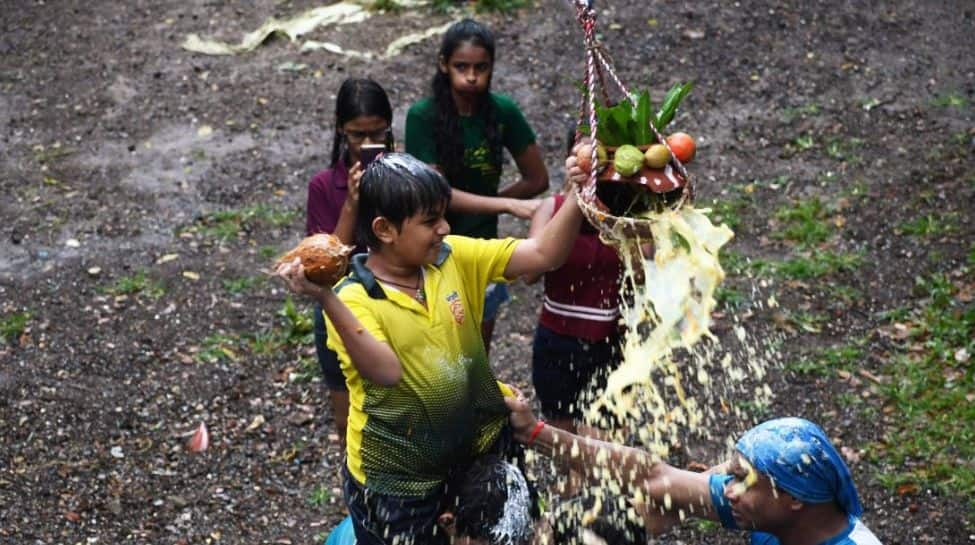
[[637, 470], [471, 203], [345, 229], [374, 360], [551, 246], [539, 220], [534, 175]]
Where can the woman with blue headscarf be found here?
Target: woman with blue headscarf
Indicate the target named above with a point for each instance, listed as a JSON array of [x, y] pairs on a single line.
[[785, 482]]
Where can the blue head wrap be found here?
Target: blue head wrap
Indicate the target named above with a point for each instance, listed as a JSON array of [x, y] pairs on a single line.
[[799, 458]]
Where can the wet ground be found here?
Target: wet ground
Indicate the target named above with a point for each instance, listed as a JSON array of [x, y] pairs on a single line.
[[147, 188]]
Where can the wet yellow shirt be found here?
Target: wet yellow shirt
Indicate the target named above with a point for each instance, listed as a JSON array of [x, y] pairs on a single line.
[[403, 439]]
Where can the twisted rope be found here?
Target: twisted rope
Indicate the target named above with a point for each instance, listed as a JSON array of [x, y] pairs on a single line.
[[599, 62]]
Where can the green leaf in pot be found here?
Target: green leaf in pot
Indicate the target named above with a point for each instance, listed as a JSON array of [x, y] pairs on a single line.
[[669, 106]]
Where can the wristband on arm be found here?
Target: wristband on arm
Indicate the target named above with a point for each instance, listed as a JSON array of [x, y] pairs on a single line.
[[538, 429]]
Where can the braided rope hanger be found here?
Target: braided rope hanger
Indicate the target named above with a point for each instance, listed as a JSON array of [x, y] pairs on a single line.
[[598, 63]]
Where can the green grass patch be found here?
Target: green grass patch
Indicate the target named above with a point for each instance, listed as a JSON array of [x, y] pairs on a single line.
[[845, 294], [239, 286], [135, 284], [268, 252], [950, 100], [807, 110], [733, 263], [705, 526], [390, 6], [776, 182], [308, 370], [500, 6], [810, 322], [828, 360], [298, 325], [729, 298], [12, 326], [930, 226], [224, 225], [816, 265], [46, 154], [800, 144], [728, 211], [481, 6], [320, 496], [932, 435], [844, 149], [217, 348], [804, 222], [295, 328]]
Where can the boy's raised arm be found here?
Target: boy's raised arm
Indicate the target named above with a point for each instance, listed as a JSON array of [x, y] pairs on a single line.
[[549, 248], [373, 359]]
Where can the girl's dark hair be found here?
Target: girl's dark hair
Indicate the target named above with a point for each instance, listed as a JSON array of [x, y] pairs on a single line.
[[448, 133], [359, 97], [397, 186]]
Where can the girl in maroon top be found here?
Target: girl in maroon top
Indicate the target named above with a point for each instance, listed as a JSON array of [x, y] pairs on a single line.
[[363, 115], [577, 340]]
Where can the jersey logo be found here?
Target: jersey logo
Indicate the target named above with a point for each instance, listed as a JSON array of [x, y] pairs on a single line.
[[456, 307]]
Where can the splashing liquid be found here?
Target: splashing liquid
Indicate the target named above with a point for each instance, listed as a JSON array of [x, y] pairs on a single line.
[[675, 376]]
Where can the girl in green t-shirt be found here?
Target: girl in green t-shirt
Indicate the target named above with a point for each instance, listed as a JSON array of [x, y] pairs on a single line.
[[462, 130]]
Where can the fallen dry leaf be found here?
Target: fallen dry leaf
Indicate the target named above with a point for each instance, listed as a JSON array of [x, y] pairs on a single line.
[[852, 456], [257, 422], [200, 440], [907, 488], [870, 376]]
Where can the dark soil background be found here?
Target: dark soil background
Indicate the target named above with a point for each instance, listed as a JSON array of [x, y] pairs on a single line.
[[149, 313]]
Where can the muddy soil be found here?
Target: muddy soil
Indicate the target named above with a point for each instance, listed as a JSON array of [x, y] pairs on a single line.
[[147, 188]]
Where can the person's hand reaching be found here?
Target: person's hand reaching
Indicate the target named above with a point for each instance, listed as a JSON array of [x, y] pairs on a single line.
[[522, 419]]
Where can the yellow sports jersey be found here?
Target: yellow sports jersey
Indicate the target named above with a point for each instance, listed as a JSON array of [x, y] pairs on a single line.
[[403, 439]]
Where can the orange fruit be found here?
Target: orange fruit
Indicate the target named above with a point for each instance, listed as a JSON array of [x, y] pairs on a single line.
[[683, 146]]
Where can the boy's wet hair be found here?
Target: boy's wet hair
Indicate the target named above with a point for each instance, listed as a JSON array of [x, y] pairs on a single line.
[[492, 501], [359, 97], [397, 186]]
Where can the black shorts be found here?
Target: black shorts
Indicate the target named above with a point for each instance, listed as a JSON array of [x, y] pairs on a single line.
[[327, 359], [379, 519], [563, 367]]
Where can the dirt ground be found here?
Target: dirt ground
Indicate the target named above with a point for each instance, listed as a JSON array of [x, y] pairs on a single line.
[[148, 187]]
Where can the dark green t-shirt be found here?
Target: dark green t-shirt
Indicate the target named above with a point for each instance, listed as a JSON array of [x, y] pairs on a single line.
[[482, 173]]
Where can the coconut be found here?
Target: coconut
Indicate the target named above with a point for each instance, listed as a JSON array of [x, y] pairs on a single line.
[[323, 256]]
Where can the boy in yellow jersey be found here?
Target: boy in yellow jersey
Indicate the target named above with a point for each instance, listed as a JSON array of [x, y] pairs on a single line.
[[405, 324]]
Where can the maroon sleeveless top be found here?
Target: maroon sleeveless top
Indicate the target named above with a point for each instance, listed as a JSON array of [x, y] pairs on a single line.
[[582, 296]]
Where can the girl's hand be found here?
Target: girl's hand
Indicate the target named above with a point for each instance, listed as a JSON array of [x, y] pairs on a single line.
[[355, 176], [523, 208], [293, 274]]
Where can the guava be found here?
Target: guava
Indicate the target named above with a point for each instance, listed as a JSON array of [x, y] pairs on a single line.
[[628, 160]]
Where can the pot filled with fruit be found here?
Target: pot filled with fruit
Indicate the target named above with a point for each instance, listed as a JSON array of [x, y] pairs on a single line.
[[639, 171]]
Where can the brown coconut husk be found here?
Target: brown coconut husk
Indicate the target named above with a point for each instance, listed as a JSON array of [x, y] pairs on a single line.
[[323, 256]]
